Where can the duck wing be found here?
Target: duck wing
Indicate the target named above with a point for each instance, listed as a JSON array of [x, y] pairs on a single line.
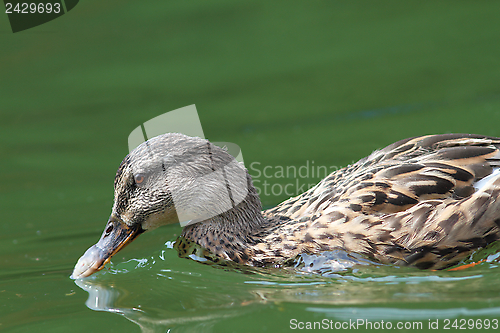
[[419, 201]]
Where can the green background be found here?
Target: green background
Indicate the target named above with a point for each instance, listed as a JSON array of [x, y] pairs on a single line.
[[289, 82]]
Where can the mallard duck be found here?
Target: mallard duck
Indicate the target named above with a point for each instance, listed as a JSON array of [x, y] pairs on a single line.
[[427, 201]]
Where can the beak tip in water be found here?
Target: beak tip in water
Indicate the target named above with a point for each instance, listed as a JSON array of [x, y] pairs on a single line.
[[99, 254], [88, 264]]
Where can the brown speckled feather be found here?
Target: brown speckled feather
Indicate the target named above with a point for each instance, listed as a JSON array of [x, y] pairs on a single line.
[[411, 203]]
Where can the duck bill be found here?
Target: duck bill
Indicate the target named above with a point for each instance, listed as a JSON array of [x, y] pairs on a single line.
[[100, 254]]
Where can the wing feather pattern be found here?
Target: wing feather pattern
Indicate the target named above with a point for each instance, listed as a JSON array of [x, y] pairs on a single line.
[[411, 203]]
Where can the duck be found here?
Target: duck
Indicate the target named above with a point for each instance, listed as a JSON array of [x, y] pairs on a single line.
[[426, 201]]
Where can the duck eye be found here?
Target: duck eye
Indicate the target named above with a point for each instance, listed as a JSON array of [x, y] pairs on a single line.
[[139, 178], [108, 230]]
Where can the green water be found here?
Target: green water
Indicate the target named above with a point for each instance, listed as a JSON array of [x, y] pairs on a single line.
[[323, 82]]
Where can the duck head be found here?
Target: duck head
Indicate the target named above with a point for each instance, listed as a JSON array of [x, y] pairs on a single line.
[[171, 178]]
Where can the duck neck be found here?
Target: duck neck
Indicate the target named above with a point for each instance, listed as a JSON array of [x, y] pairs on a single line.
[[230, 230]]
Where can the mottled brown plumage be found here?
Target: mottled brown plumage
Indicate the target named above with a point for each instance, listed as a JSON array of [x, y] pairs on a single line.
[[426, 201], [411, 203]]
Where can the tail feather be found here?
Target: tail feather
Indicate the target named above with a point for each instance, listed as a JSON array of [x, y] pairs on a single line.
[[437, 234]]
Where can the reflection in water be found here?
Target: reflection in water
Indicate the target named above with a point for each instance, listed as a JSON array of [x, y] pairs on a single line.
[[202, 298], [110, 298], [159, 299], [403, 314]]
